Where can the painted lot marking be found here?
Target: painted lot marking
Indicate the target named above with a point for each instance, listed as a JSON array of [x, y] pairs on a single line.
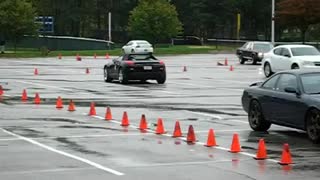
[[65, 153], [205, 86]]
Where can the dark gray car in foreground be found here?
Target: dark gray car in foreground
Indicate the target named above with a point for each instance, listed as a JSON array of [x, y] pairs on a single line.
[[288, 98]]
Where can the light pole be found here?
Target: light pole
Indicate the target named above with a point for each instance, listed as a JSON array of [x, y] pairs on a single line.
[[272, 21]]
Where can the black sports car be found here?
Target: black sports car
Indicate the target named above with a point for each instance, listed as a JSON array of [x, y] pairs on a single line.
[[253, 51], [288, 98], [142, 66]]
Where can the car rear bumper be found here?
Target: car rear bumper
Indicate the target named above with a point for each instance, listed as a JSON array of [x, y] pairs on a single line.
[[145, 76]]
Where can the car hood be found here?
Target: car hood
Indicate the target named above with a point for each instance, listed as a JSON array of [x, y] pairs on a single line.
[[308, 58]]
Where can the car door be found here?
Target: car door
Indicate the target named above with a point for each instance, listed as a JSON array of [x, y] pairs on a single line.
[[285, 62], [247, 51], [275, 59], [268, 89], [115, 66], [127, 47], [290, 106]]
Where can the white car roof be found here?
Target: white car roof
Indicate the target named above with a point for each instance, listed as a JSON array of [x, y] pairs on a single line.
[[294, 46], [140, 41]]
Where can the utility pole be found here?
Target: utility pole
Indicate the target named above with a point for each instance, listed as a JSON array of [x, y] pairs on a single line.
[[272, 21], [109, 24]]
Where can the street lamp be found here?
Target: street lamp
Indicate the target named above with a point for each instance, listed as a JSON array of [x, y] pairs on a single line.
[[272, 21]]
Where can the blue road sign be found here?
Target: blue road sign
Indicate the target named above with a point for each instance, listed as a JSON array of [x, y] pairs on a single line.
[[46, 24]]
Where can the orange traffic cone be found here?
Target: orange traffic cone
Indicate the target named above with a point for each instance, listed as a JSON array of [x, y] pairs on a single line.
[[87, 71], [286, 156], [184, 69], [107, 55], [235, 146], [143, 123], [160, 128], [24, 96], [125, 119], [177, 130], [59, 56], [37, 99], [108, 115], [92, 111], [1, 91], [262, 151], [36, 71], [78, 58], [95, 56], [231, 68], [59, 103], [71, 106], [211, 139], [191, 137], [226, 62]]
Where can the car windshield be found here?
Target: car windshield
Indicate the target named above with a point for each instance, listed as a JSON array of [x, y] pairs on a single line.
[[262, 47], [304, 51], [141, 57], [311, 83]]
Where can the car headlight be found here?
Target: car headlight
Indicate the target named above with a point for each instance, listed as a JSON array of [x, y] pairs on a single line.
[[307, 63], [260, 55]]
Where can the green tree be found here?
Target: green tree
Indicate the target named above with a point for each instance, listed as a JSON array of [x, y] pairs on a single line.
[[299, 14], [154, 20], [17, 19]]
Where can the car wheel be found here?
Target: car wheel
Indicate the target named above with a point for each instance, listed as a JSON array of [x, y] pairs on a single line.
[[242, 60], [254, 61], [267, 70], [123, 79], [162, 79], [256, 119], [313, 125], [107, 77], [295, 66]]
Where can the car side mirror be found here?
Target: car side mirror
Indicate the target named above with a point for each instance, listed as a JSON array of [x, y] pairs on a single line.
[[287, 55], [291, 90]]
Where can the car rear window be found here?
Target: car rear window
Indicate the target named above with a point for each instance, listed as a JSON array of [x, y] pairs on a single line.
[[141, 57], [262, 47], [144, 44]]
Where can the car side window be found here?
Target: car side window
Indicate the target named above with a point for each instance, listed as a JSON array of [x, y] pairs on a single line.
[[277, 51], [285, 52], [245, 45], [287, 80], [271, 83]]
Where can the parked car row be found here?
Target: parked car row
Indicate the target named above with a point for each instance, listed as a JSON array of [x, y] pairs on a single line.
[[291, 94]]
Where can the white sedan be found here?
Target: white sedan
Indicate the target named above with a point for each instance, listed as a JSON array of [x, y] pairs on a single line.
[[290, 57], [137, 46]]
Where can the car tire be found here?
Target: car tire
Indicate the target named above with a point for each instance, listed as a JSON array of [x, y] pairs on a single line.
[[162, 79], [254, 61], [267, 70], [123, 79], [242, 60], [295, 66], [256, 118], [107, 77], [313, 125]]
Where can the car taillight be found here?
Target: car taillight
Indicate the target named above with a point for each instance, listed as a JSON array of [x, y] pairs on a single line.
[[129, 63], [161, 62]]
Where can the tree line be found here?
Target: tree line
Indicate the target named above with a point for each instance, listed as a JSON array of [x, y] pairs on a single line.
[[295, 19]]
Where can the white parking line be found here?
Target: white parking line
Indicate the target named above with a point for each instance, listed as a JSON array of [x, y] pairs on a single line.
[[205, 86], [65, 153], [217, 117]]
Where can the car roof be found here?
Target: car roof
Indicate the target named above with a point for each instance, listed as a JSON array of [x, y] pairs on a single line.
[[294, 46], [300, 71], [260, 42], [139, 41]]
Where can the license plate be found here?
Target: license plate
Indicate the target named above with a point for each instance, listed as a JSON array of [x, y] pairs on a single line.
[[147, 67]]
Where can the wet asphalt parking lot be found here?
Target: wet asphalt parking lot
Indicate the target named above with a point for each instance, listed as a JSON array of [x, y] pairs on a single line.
[[41, 142]]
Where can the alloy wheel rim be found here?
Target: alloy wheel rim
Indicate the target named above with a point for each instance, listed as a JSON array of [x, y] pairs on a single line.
[[120, 76], [254, 116], [267, 70], [105, 74]]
